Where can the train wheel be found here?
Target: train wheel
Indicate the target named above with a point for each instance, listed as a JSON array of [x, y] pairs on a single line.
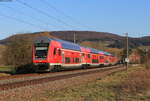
[[56, 68], [84, 66]]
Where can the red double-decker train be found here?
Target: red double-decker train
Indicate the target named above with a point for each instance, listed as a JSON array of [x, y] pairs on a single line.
[[55, 54]]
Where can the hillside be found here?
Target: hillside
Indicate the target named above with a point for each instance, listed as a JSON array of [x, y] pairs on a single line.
[[112, 40], [2, 48]]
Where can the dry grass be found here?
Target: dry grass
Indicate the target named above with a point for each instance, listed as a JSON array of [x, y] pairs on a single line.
[[107, 89], [2, 49], [138, 81], [147, 65], [4, 74]]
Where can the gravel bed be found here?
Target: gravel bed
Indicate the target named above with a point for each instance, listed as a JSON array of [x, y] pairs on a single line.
[[26, 93], [40, 76]]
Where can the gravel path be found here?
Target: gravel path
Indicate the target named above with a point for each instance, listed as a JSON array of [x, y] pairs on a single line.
[[26, 93]]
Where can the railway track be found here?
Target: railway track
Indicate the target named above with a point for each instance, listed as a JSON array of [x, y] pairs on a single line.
[[27, 80], [18, 76]]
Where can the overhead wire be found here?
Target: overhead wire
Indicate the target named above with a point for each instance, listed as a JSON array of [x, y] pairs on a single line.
[[46, 14], [57, 10], [35, 18], [63, 13], [20, 20]]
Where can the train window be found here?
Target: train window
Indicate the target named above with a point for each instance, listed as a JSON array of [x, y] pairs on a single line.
[[59, 52], [106, 61], [88, 55], [67, 60], [41, 50], [101, 57], [41, 44], [54, 51], [94, 60], [73, 60], [82, 54], [77, 60]]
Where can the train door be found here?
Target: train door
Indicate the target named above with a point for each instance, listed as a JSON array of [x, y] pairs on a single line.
[[63, 57], [57, 55], [88, 58], [83, 58]]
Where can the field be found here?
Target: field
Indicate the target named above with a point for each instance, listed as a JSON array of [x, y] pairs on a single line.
[[133, 85]]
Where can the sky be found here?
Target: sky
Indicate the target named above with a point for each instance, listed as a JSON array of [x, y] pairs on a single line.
[[114, 16]]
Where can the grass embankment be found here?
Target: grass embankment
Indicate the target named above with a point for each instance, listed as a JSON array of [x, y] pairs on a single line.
[[5, 70], [133, 85]]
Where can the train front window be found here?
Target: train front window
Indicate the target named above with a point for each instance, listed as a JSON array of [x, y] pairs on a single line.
[[41, 50]]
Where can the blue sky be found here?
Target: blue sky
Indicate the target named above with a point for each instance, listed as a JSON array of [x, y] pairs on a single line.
[[115, 16]]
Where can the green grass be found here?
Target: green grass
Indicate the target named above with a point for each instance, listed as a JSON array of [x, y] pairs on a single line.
[[5, 69], [107, 89]]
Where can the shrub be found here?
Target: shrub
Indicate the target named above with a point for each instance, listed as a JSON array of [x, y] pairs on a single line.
[[23, 69], [145, 55]]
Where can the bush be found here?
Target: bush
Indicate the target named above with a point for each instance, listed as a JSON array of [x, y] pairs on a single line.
[[145, 55], [23, 69]]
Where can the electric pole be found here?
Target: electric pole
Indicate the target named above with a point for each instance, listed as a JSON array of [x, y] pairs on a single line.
[[127, 51], [74, 37]]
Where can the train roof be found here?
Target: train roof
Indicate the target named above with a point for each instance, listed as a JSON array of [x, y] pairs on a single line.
[[84, 49], [64, 44], [101, 52], [68, 45], [42, 40], [92, 50], [106, 53]]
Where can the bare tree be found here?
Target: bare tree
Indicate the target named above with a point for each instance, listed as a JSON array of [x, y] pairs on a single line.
[[18, 53]]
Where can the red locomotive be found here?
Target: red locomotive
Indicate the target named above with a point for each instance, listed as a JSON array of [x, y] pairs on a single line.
[[49, 54]]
